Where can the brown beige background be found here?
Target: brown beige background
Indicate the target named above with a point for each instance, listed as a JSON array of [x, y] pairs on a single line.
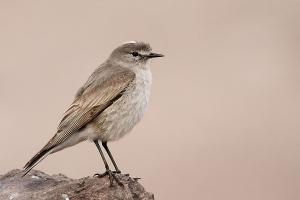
[[223, 122]]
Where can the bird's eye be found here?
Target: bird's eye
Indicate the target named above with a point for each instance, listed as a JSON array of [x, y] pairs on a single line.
[[134, 53]]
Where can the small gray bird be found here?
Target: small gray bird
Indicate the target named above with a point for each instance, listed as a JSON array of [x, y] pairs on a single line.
[[109, 105]]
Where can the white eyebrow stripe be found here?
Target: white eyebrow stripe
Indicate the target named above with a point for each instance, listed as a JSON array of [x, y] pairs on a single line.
[[130, 42]]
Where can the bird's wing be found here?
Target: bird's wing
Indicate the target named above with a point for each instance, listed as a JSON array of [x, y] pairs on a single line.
[[104, 86], [90, 103]]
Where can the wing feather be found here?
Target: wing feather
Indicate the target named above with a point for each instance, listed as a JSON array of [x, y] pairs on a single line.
[[90, 104], [104, 86]]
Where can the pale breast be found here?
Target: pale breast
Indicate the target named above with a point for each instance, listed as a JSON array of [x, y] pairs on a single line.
[[126, 112]]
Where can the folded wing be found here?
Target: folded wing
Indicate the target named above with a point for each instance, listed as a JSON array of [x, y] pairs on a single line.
[[93, 99]]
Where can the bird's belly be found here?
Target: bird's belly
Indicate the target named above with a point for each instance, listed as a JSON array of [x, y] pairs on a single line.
[[121, 116]]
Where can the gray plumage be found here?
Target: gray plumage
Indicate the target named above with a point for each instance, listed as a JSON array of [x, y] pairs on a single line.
[[109, 104]]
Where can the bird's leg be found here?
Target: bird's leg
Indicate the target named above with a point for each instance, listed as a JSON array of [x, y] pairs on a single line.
[[104, 144], [108, 172]]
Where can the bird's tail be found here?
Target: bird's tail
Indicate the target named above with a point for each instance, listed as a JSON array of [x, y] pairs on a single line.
[[43, 153]]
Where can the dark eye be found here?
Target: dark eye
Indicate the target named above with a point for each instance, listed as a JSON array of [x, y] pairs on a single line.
[[134, 53]]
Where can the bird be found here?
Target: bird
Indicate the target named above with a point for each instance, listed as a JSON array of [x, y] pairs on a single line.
[[107, 107]]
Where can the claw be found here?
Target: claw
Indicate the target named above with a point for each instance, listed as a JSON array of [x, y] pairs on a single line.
[[112, 176]]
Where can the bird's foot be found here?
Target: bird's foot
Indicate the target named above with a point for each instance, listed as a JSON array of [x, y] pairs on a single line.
[[112, 176], [106, 173]]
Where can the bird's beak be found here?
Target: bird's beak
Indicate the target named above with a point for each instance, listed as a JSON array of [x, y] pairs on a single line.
[[154, 55]]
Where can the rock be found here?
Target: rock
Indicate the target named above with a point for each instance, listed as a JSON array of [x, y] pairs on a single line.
[[38, 185]]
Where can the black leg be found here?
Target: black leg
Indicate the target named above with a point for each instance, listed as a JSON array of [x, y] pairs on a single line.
[[102, 155], [108, 171], [104, 144]]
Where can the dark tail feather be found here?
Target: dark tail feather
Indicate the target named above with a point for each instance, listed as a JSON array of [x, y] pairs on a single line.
[[35, 160]]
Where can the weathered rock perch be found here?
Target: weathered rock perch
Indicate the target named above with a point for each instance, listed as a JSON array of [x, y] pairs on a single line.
[[38, 185]]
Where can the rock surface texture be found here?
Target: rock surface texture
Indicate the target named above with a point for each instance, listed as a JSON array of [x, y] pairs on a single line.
[[38, 185]]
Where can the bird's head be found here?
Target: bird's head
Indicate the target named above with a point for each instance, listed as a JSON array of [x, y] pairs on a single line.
[[133, 53]]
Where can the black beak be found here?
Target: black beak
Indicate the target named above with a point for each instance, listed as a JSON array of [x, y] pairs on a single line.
[[154, 55]]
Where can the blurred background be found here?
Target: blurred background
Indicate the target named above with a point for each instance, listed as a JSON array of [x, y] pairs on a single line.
[[223, 121]]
